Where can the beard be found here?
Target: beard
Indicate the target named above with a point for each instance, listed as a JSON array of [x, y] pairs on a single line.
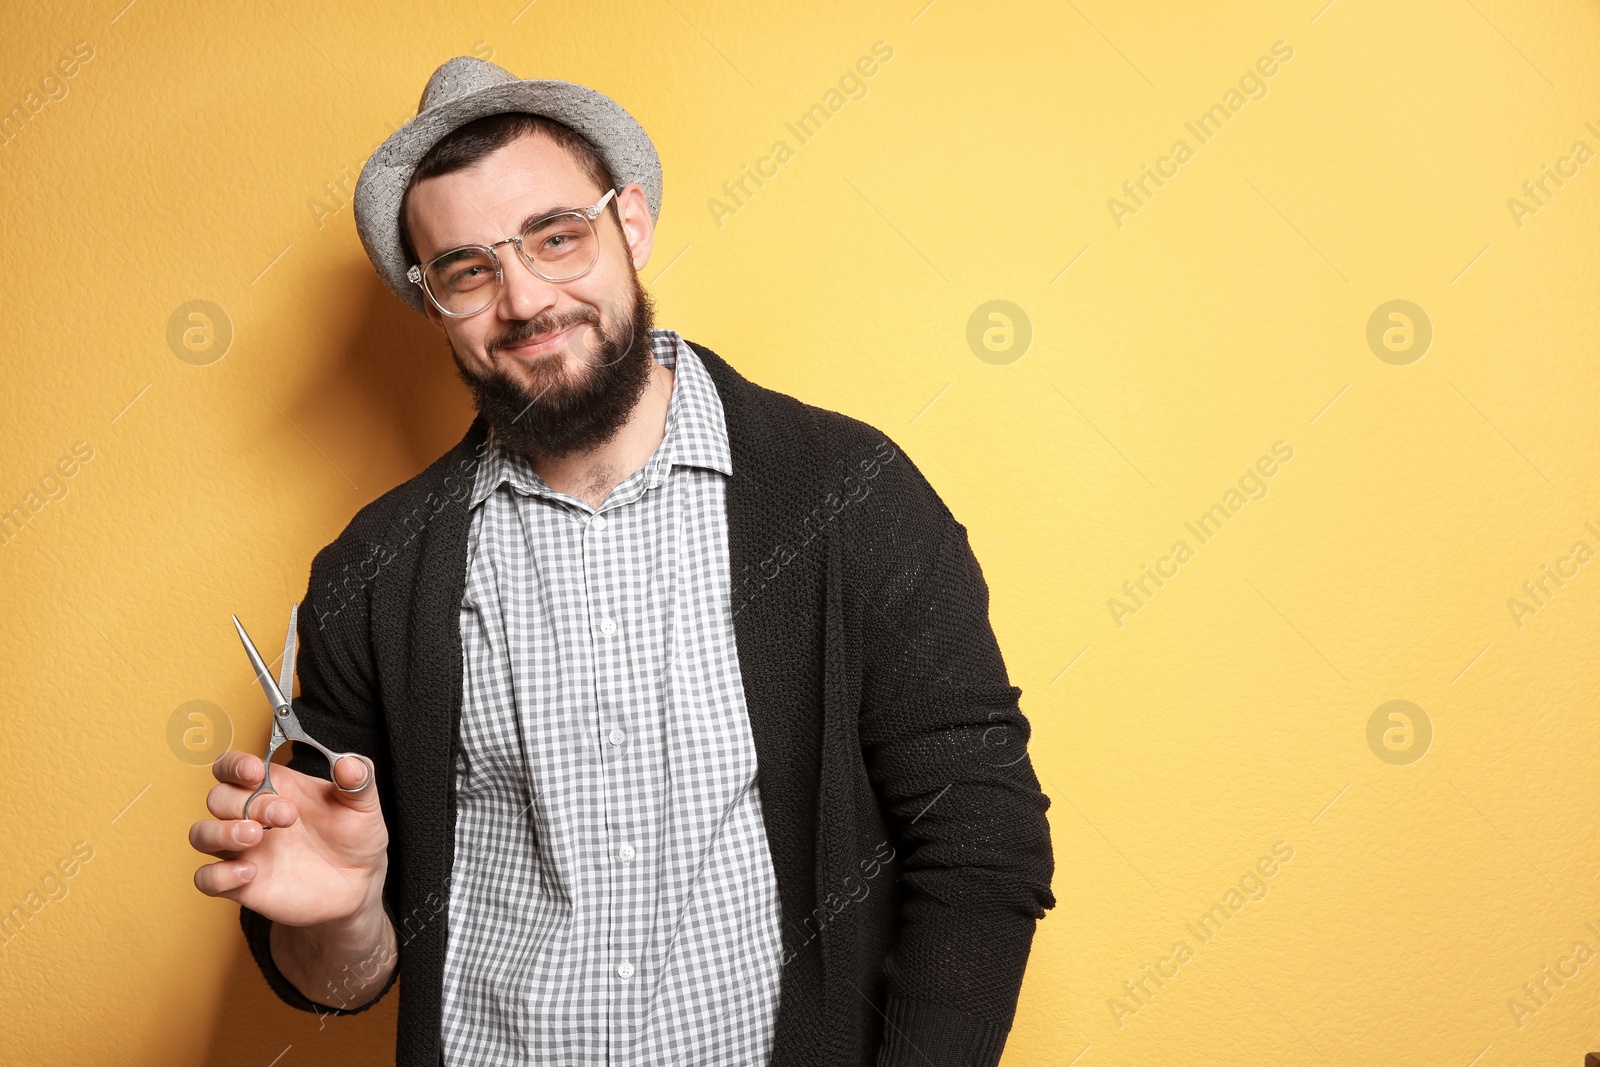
[[559, 417]]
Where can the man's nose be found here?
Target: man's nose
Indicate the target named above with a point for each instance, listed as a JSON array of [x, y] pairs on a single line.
[[523, 293]]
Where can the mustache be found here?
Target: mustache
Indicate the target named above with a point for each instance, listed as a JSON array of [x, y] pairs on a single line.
[[544, 326]]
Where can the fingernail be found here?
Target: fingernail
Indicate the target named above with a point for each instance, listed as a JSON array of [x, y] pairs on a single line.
[[249, 832], [246, 873], [276, 812]]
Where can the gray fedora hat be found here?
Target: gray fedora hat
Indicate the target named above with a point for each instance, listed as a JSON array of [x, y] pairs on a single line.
[[467, 88]]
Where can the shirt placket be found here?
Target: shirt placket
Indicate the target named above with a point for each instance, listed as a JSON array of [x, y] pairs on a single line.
[[612, 849]]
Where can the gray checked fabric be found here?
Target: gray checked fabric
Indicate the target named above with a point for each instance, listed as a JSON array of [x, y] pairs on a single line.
[[612, 899]]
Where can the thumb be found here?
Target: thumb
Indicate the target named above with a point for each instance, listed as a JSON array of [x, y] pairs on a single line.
[[356, 773]]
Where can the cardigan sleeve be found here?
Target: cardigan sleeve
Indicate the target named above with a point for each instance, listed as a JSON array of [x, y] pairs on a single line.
[[338, 706], [945, 744]]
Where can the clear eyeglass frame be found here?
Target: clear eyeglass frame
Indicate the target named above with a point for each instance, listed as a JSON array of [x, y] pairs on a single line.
[[415, 274]]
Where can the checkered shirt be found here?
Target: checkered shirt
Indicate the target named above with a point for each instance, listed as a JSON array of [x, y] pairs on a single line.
[[612, 900]]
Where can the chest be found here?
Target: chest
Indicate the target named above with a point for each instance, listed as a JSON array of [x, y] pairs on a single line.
[[598, 647]]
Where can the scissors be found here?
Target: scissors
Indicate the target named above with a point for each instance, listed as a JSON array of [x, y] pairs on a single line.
[[285, 725]]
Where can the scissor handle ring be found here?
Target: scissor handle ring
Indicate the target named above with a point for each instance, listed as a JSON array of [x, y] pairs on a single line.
[[264, 787], [266, 778], [372, 772], [334, 757]]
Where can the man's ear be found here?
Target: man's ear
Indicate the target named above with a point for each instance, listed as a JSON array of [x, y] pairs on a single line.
[[638, 229]]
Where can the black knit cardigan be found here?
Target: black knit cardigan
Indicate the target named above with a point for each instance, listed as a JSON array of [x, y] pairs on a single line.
[[906, 826]]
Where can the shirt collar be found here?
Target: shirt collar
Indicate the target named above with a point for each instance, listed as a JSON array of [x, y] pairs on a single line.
[[696, 431]]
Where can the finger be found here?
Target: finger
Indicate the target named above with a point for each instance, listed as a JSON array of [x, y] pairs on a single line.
[[237, 767], [226, 801], [356, 773], [268, 809], [224, 839], [352, 772], [221, 879]]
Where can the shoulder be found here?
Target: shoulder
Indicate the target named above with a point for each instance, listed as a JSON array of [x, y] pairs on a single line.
[[868, 461]]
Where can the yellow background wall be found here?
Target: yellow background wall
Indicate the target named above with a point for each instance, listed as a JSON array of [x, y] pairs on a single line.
[[198, 154]]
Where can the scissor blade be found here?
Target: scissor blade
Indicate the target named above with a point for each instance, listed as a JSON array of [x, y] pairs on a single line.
[[274, 694], [286, 669]]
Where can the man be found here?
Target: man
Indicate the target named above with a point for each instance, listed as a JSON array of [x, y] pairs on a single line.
[[690, 739]]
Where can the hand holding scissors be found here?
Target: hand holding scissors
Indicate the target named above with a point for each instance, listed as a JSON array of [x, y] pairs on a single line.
[[285, 724], [331, 869]]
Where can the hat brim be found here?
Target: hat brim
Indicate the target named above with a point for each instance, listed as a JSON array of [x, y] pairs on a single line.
[[623, 143]]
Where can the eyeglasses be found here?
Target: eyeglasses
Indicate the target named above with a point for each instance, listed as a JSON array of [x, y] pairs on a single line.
[[558, 248]]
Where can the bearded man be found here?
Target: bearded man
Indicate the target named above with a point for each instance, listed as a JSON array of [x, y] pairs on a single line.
[[685, 735]]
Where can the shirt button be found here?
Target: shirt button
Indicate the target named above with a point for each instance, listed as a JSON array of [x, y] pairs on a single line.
[[626, 852], [624, 969], [616, 736], [598, 522], [608, 626]]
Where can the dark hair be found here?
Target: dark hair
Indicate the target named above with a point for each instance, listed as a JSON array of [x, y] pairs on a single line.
[[466, 145]]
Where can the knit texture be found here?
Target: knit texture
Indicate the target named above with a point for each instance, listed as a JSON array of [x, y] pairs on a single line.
[[906, 826]]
